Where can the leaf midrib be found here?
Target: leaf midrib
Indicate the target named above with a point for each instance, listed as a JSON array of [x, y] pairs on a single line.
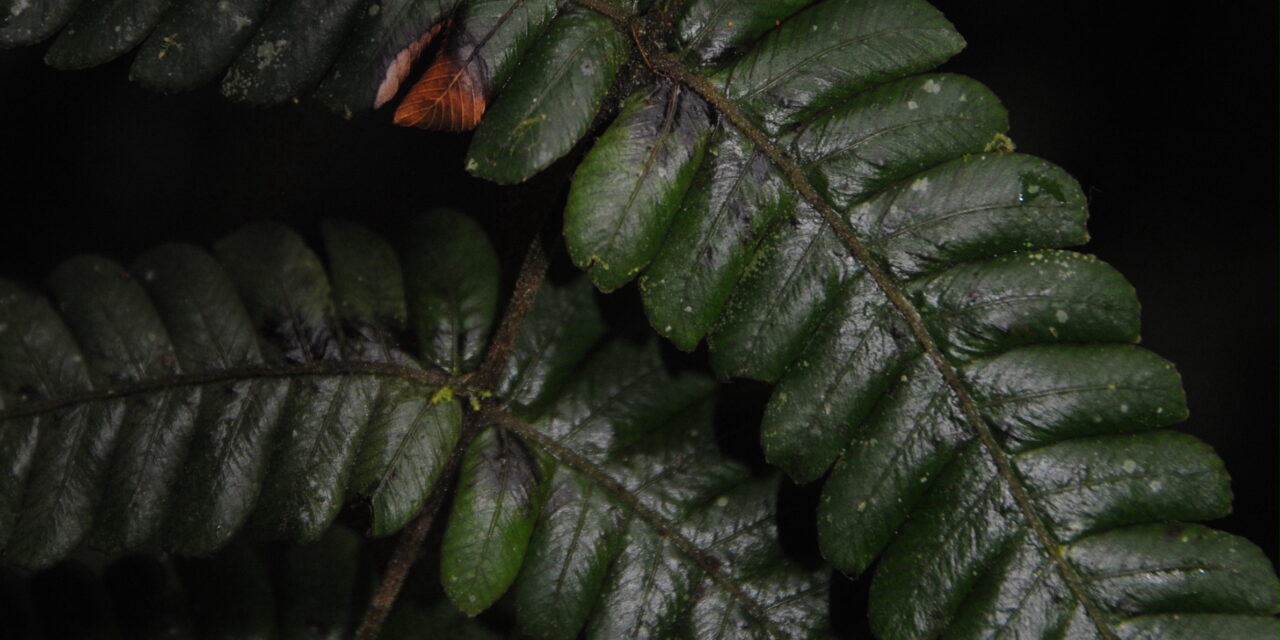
[[1002, 630], [235, 374], [1061, 391], [818, 54], [671, 66], [482, 43], [154, 438], [775, 298], [402, 447], [916, 432], [712, 19], [555, 78], [665, 527], [664, 132], [881, 132], [1120, 479], [884, 239]]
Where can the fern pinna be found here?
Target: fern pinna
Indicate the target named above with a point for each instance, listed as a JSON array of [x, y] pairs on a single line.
[[788, 185]]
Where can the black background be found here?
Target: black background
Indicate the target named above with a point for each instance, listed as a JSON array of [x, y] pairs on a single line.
[[1166, 116]]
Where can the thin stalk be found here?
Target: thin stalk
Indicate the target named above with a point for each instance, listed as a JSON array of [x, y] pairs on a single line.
[[409, 542], [295, 370], [532, 272]]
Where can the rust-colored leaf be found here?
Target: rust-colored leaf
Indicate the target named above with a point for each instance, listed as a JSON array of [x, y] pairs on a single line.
[[450, 96]]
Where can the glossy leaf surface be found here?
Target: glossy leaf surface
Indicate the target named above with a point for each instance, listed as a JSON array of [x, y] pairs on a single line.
[[857, 235], [551, 100], [174, 403], [600, 562], [262, 391], [615, 222]]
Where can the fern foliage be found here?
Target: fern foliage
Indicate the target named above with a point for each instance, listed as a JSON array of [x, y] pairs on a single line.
[[792, 186], [170, 405], [176, 401]]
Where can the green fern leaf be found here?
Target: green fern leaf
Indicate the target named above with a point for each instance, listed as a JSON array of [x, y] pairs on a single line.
[[787, 190], [233, 394], [905, 308], [175, 404], [551, 99]]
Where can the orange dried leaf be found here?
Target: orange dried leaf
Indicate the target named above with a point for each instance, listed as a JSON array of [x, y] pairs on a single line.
[[450, 96]]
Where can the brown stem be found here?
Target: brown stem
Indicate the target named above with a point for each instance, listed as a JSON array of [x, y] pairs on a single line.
[[402, 559], [409, 542], [233, 374], [532, 272]]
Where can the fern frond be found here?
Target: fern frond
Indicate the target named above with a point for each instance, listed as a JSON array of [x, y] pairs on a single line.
[[172, 405]]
